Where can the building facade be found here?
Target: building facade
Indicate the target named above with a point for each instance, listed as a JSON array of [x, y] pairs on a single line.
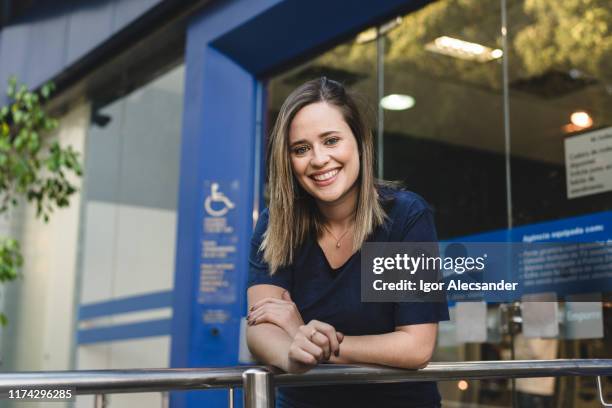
[[479, 106]]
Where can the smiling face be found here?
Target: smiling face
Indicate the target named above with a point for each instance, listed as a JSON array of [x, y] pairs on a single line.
[[324, 153]]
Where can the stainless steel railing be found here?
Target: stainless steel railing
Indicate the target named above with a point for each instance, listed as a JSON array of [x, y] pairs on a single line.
[[259, 382]]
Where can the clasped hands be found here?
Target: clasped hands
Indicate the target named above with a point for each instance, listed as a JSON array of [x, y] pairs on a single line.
[[311, 344]]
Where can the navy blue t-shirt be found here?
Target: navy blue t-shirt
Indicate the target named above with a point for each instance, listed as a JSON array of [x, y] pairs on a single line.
[[334, 296]]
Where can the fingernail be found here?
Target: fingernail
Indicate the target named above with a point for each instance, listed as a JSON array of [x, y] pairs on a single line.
[[251, 308]]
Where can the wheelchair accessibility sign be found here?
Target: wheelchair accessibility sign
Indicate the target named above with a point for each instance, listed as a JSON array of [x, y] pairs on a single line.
[[217, 204]]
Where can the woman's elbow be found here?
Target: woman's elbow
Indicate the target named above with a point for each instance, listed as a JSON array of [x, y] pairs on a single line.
[[423, 362], [250, 339], [425, 356], [416, 360]]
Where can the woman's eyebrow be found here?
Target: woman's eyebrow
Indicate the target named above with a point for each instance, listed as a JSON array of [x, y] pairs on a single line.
[[324, 134], [329, 132]]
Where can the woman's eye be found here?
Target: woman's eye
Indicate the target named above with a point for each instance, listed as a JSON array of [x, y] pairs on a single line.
[[299, 150], [332, 141]]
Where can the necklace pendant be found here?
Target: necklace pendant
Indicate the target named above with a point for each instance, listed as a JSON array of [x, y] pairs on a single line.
[[337, 244]]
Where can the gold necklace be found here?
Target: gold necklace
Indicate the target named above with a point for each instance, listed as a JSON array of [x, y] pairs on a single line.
[[341, 236]]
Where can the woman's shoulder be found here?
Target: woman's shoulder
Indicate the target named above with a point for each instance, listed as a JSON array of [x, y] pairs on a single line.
[[405, 210], [403, 203]]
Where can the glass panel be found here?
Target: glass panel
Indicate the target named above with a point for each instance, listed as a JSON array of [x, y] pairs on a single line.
[[448, 146], [131, 187], [560, 76]]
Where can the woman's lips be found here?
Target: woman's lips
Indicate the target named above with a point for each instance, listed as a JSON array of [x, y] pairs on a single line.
[[325, 179]]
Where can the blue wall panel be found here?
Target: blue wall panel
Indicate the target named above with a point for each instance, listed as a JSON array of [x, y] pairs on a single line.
[[292, 28], [88, 25], [195, 145], [126, 11], [139, 330], [55, 34], [46, 45], [13, 53], [224, 154]]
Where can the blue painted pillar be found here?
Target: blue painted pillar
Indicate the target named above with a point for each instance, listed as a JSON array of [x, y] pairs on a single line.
[[215, 215]]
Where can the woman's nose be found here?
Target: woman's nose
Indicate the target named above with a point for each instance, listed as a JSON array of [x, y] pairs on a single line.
[[319, 157]]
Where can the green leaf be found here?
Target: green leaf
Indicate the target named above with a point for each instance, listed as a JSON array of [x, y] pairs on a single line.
[[46, 90], [17, 115], [5, 145], [34, 142], [12, 86]]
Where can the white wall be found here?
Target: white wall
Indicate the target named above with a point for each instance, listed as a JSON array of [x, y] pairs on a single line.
[[41, 305]]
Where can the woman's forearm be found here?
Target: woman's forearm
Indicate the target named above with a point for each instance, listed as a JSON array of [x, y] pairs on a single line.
[[395, 349], [269, 344]]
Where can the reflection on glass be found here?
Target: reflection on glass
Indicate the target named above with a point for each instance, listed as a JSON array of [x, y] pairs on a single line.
[[449, 146], [130, 192], [560, 58], [560, 82]]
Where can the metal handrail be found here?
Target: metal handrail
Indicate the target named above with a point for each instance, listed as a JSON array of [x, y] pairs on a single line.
[[149, 380]]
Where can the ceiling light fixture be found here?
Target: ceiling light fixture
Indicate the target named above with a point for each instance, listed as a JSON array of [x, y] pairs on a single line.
[[397, 102], [581, 119], [456, 48]]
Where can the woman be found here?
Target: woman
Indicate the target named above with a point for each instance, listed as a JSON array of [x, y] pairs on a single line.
[[304, 280]]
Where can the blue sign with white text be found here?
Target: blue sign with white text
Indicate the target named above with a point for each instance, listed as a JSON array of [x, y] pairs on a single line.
[[568, 256]]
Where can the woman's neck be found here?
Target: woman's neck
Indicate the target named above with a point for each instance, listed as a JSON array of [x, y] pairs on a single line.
[[340, 214]]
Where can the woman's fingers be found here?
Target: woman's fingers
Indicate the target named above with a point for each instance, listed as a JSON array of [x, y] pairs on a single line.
[[322, 341], [254, 316], [296, 353], [329, 331], [268, 316], [267, 300], [310, 347]]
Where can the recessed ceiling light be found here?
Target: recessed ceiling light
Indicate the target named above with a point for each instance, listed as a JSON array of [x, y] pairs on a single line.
[[366, 36], [453, 47], [397, 102], [497, 53], [581, 119]]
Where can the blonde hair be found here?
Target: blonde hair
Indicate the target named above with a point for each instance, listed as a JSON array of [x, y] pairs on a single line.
[[293, 213]]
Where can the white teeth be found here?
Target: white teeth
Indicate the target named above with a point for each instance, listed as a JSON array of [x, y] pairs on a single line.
[[326, 176]]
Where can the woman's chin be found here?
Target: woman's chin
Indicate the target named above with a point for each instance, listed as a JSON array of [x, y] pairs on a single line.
[[327, 196]]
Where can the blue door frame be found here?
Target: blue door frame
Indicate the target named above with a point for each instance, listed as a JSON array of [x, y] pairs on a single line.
[[231, 47]]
